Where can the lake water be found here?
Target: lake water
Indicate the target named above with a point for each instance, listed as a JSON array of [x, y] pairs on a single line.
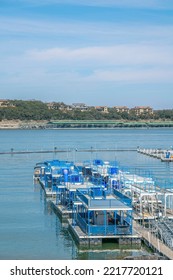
[[29, 229]]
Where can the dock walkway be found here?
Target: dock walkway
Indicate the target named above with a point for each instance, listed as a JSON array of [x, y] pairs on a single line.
[[153, 242], [156, 153]]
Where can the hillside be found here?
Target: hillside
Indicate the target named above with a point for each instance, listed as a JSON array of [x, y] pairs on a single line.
[[37, 114]]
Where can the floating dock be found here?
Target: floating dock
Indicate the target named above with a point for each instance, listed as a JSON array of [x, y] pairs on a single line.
[[163, 155], [88, 240], [100, 202]]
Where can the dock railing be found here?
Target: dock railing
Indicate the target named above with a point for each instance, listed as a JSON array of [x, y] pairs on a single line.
[[102, 230], [125, 199]]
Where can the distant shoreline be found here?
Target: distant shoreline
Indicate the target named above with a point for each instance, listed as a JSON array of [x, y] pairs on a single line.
[[82, 125]]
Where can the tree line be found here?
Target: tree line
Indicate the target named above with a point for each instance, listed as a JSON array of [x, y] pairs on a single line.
[[37, 110]]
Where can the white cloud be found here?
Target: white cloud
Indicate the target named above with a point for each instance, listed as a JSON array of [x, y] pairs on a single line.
[[113, 51], [76, 32], [34, 74], [20, 25], [133, 63], [127, 54], [132, 75]]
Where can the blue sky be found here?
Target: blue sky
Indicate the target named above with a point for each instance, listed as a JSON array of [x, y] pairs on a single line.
[[100, 52]]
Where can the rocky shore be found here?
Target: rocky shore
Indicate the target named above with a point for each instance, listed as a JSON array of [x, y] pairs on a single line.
[[18, 124], [82, 124]]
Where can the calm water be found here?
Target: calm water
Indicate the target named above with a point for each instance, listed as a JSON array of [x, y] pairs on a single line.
[[29, 229]]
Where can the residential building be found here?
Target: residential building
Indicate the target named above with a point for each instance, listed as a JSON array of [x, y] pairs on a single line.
[[80, 106], [103, 109], [139, 110], [58, 106], [121, 109], [4, 103]]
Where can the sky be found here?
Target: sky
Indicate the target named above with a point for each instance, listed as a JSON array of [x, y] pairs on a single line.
[[98, 52]]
